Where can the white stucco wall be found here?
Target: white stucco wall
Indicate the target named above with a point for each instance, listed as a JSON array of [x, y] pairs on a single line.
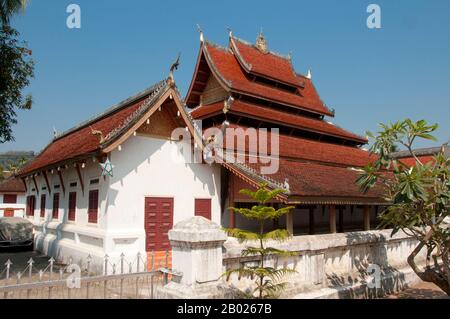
[[19, 206], [142, 168], [145, 168]]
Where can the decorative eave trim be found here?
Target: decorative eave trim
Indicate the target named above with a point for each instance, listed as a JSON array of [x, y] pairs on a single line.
[[252, 177], [280, 102], [68, 161], [357, 139], [136, 115], [194, 77], [132, 124], [334, 200], [83, 124], [226, 84], [247, 66]]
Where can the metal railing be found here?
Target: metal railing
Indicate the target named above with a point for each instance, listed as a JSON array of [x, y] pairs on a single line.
[[120, 279]]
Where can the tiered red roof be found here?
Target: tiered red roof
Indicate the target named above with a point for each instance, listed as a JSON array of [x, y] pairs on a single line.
[[267, 64], [233, 77], [266, 89], [277, 117]]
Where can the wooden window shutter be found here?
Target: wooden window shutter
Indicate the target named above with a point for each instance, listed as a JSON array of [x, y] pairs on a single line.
[[72, 205], [93, 206], [55, 211], [203, 208], [33, 205], [43, 205], [10, 199]]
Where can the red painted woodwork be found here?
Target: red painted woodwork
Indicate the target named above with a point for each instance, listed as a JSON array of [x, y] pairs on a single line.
[[93, 206], [55, 210], [43, 199], [72, 205], [31, 204], [8, 213], [203, 208], [9, 198], [158, 221]]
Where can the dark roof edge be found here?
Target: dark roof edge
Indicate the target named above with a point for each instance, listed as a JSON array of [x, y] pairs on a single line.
[[421, 152]]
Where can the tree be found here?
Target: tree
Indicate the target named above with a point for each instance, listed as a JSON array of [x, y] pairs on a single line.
[[10, 7], [16, 69], [419, 196], [268, 279]]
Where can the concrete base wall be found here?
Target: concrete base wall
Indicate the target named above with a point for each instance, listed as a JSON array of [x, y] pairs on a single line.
[[335, 265]]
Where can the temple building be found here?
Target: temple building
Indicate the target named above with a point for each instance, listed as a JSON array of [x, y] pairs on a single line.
[[247, 85], [118, 182], [12, 198]]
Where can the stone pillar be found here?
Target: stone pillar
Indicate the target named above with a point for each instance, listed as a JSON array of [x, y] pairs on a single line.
[[366, 211], [290, 222], [332, 214], [196, 260]]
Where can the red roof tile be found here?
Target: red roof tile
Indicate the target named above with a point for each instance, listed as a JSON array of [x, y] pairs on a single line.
[[312, 179], [229, 69], [274, 116], [410, 161], [314, 151], [265, 64], [80, 141], [12, 185]]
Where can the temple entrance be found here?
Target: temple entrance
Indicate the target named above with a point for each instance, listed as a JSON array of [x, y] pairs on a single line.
[[158, 221]]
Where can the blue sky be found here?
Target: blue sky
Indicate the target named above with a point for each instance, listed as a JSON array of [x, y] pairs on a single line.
[[368, 76]]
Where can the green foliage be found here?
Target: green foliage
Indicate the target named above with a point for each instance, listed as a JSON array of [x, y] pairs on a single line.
[[267, 279], [16, 69], [10, 7], [419, 195]]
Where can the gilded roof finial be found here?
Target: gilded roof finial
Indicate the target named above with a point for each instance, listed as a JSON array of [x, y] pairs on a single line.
[[230, 32], [201, 33], [261, 43]]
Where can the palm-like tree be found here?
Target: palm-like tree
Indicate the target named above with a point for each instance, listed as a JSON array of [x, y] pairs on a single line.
[[8, 8]]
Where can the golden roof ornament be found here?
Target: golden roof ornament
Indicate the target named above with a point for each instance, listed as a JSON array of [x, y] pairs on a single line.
[[261, 43]]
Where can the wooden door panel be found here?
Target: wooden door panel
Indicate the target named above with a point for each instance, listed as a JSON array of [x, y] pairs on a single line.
[[158, 222]]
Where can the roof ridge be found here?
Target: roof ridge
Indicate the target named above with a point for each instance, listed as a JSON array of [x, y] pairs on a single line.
[[347, 130], [217, 46], [280, 55], [156, 93], [110, 110]]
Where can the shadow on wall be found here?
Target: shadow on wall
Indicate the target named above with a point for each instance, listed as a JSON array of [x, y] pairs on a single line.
[[365, 260], [53, 248]]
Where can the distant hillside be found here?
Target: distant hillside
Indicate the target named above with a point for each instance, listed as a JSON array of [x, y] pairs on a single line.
[[8, 158]]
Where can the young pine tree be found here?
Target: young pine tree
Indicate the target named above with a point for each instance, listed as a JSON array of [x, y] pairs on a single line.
[[268, 280]]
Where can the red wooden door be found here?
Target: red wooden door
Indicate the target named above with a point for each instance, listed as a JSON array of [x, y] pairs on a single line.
[[158, 221], [203, 208], [9, 213]]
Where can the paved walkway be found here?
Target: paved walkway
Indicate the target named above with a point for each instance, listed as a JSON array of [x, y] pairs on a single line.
[[423, 290]]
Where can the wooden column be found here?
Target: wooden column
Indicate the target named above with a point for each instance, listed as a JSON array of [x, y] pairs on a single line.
[[332, 214], [232, 221], [290, 222], [312, 228], [366, 212], [341, 219]]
